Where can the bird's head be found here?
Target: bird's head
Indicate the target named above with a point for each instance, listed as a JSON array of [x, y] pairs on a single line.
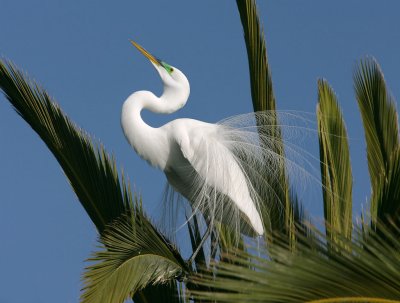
[[170, 75]]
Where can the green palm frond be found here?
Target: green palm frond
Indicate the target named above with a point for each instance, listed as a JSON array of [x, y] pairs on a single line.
[[279, 214], [195, 239], [379, 117], [302, 230], [335, 164], [169, 292], [90, 170], [229, 239], [260, 76], [369, 270], [133, 255], [388, 195]]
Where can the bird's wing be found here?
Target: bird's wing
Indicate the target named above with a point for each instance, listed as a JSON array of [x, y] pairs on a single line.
[[218, 171]]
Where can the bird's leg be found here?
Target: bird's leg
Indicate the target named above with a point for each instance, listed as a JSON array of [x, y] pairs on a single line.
[[205, 236]]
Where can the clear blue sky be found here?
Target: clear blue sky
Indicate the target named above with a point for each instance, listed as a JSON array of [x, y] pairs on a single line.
[[79, 51]]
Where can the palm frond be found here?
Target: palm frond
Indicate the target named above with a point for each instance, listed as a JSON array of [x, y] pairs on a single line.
[[379, 117], [370, 269], [260, 76], [387, 196], [302, 229], [335, 165], [229, 239], [133, 255], [90, 170], [169, 292], [195, 239], [276, 213]]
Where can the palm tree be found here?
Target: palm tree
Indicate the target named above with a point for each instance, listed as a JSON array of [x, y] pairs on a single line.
[[298, 263], [348, 262]]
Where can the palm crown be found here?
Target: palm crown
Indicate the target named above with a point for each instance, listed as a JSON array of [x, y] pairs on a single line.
[[299, 263]]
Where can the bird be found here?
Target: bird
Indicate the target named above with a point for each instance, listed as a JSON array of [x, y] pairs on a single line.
[[197, 157]]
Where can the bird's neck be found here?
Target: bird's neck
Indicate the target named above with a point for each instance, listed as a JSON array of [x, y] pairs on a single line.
[[152, 144]]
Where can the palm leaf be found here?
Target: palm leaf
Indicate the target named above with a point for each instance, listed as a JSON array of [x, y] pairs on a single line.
[[260, 76], [195, 239], [133, 255], [90, 170], [335, 164], [302, 230], [169, 292], [388, 195], [277, 213], [368, 272], [379, 117], [229, 239]]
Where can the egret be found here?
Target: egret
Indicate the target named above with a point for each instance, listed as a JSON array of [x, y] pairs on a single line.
[[197, 158]]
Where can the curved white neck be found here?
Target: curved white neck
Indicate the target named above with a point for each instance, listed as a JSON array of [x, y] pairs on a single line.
[[152, 144]]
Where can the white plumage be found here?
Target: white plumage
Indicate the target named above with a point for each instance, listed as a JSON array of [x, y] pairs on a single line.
[[195, 156]]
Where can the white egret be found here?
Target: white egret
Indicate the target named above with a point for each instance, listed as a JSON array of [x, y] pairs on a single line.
[[215, 166], [191, 153]]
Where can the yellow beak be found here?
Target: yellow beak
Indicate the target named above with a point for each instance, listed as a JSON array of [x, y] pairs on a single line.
[[146, 53]]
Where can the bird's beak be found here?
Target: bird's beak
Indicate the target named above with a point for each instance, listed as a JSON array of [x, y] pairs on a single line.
[[146, 53]]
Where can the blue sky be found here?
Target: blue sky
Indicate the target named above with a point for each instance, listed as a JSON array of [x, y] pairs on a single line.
[[79, 51]]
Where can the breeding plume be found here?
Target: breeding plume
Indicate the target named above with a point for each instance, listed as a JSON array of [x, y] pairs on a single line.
[[202, 161]]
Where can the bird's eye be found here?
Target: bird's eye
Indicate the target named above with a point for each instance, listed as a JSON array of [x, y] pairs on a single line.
[[167, 67]]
